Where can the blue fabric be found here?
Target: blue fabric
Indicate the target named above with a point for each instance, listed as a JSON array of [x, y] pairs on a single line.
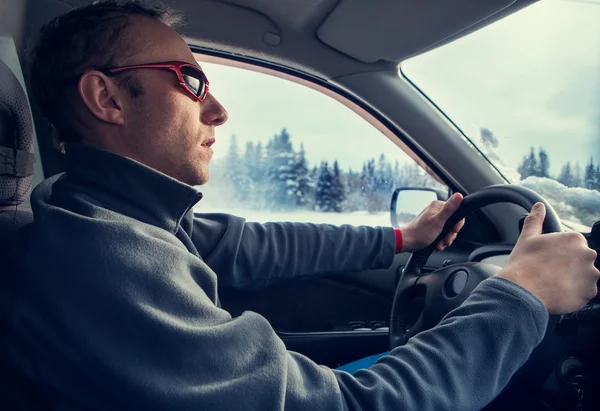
[[363, 363]]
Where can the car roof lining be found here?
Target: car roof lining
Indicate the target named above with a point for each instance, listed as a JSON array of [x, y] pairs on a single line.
[[321, 37], [394, 30]]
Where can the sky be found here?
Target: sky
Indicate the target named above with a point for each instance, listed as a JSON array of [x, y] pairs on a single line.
[[532, 78], [260, 105]]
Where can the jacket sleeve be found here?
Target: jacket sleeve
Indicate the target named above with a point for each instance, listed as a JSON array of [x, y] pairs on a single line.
[[126, 319], [461, 364], [252, 255]]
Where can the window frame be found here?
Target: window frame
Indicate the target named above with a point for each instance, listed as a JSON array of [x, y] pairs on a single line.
[[359, 107], [482, 232]]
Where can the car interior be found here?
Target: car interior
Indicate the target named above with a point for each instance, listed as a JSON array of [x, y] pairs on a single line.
[[349, 50]]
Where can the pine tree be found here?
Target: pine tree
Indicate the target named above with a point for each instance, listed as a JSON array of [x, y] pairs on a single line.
[[255, 174], [354, 185], [369, 177], [281, 184], [528, 166], [577, 179], [384, 177], [257, 166], [233, 157], [590, 178], [258, 176], [370, 187], [314, 178], [234, 171], [407, 177], [396, 176], [337, 193], [323, 200], [566, 176], [543, 169], [303, 179], [248, 166]]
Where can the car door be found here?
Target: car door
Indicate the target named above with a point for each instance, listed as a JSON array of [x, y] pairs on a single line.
[[290, 152]]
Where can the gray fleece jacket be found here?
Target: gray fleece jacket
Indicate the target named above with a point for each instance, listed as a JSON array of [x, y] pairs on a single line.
[[118, 307]]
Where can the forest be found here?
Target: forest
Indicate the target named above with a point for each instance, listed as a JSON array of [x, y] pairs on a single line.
[[277, 177]]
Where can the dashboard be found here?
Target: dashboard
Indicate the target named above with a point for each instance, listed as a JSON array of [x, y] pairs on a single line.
[[498, 260], [563, 372], [496, 254]]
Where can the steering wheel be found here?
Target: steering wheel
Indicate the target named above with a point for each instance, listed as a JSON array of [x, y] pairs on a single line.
[[423, 299]]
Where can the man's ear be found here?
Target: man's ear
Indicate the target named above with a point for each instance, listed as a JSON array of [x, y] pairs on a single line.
[[102, 97]]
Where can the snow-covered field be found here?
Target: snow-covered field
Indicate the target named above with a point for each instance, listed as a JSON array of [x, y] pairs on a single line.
[[575, 204], [353, 218]]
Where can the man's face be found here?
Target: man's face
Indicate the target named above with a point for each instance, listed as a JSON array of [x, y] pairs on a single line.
[[164, 128]]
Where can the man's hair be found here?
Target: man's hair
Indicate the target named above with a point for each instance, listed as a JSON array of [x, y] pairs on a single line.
[[90, 37]]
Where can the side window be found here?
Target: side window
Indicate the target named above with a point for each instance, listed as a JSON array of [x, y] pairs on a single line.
[[291, 153]]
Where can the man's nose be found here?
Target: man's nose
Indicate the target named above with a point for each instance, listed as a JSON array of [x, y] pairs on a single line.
[[213, 113]]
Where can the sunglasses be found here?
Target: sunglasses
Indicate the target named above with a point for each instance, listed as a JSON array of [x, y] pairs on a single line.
[[191, 79]]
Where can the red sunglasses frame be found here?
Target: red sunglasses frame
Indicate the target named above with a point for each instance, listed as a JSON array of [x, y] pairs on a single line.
[[174, 66]]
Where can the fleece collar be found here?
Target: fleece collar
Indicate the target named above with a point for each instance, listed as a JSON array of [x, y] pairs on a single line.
[[130, 187]]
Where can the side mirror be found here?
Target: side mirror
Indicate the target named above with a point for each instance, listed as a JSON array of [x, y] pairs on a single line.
[[408, 202]]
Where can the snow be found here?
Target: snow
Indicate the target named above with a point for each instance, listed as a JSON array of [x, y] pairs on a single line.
[[575, 204], [354, 218], [578, 205]]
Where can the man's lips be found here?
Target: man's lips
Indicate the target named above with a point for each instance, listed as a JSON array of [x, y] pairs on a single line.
[[208, 143]]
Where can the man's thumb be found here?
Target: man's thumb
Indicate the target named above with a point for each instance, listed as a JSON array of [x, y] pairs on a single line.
[[534, 221]]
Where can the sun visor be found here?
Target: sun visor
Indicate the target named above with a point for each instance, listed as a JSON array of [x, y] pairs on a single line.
[[396, 29]]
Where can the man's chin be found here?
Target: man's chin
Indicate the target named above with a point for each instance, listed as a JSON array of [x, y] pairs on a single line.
[[201, 178]]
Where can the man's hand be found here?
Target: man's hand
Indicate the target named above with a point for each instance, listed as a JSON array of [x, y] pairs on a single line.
[[427, 226], [557, 268]]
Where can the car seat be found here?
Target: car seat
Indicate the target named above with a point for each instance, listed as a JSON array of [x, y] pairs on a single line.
[[17, 390]]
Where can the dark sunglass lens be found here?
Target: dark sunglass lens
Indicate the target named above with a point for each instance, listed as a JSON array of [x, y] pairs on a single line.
[[194, 79]]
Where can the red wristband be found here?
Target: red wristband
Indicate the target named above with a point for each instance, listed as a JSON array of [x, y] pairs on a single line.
[[398, 240]]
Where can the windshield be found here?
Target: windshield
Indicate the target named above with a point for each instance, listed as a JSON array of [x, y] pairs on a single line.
[[526, 91]]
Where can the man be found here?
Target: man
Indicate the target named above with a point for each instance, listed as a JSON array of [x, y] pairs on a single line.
[[119, 309]]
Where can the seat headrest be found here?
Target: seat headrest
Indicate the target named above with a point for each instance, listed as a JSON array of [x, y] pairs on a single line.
[[16, 140]]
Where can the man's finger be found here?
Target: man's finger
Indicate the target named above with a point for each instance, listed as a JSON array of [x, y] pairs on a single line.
[[451, 236], [458, 226], [450, 206], [533, 223], [452, 239], [445, 242]]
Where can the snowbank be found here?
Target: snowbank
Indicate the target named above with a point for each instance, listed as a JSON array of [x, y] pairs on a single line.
[[576, 204]]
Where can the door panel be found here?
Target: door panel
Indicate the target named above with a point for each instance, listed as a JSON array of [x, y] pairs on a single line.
[[316, 316], [325, 318], [337, 348], [311, 305]]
